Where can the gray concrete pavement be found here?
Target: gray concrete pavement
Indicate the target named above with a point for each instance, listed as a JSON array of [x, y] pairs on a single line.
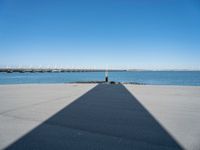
[[90, 116], [24, 107], [176, 108]]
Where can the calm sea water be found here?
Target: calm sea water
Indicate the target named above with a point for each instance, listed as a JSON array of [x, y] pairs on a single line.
[[145, 77]]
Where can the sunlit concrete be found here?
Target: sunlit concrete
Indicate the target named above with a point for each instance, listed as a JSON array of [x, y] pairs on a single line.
[[177, 108], [24, 107]]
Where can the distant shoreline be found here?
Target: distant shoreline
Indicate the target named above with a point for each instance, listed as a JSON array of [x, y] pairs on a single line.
[[60, 70]]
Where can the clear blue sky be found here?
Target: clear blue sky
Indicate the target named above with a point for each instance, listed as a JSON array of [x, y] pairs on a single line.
[[145, 34]]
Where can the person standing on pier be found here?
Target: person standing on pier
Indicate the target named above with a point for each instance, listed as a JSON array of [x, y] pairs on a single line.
[[106, 76]]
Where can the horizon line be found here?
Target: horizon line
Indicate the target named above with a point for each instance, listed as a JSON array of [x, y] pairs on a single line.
[[92, 69]]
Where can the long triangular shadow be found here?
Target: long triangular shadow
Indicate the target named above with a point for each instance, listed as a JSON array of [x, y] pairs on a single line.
[[107, 117]]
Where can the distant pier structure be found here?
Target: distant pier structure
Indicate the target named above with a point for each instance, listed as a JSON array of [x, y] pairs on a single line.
[[43, 70]]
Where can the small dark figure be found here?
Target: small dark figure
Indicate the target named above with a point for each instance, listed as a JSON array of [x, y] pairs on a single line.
[[106, 76]]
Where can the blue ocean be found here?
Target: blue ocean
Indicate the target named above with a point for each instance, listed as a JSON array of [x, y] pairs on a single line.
[[143, 77]]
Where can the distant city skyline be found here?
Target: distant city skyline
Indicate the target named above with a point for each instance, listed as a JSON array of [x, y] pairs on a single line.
[[119, 34]]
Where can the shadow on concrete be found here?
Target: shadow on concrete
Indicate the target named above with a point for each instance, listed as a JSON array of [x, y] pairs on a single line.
[[107, 117]]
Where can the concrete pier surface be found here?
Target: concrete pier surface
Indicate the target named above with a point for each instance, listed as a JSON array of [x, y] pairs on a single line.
[[99, 116]]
